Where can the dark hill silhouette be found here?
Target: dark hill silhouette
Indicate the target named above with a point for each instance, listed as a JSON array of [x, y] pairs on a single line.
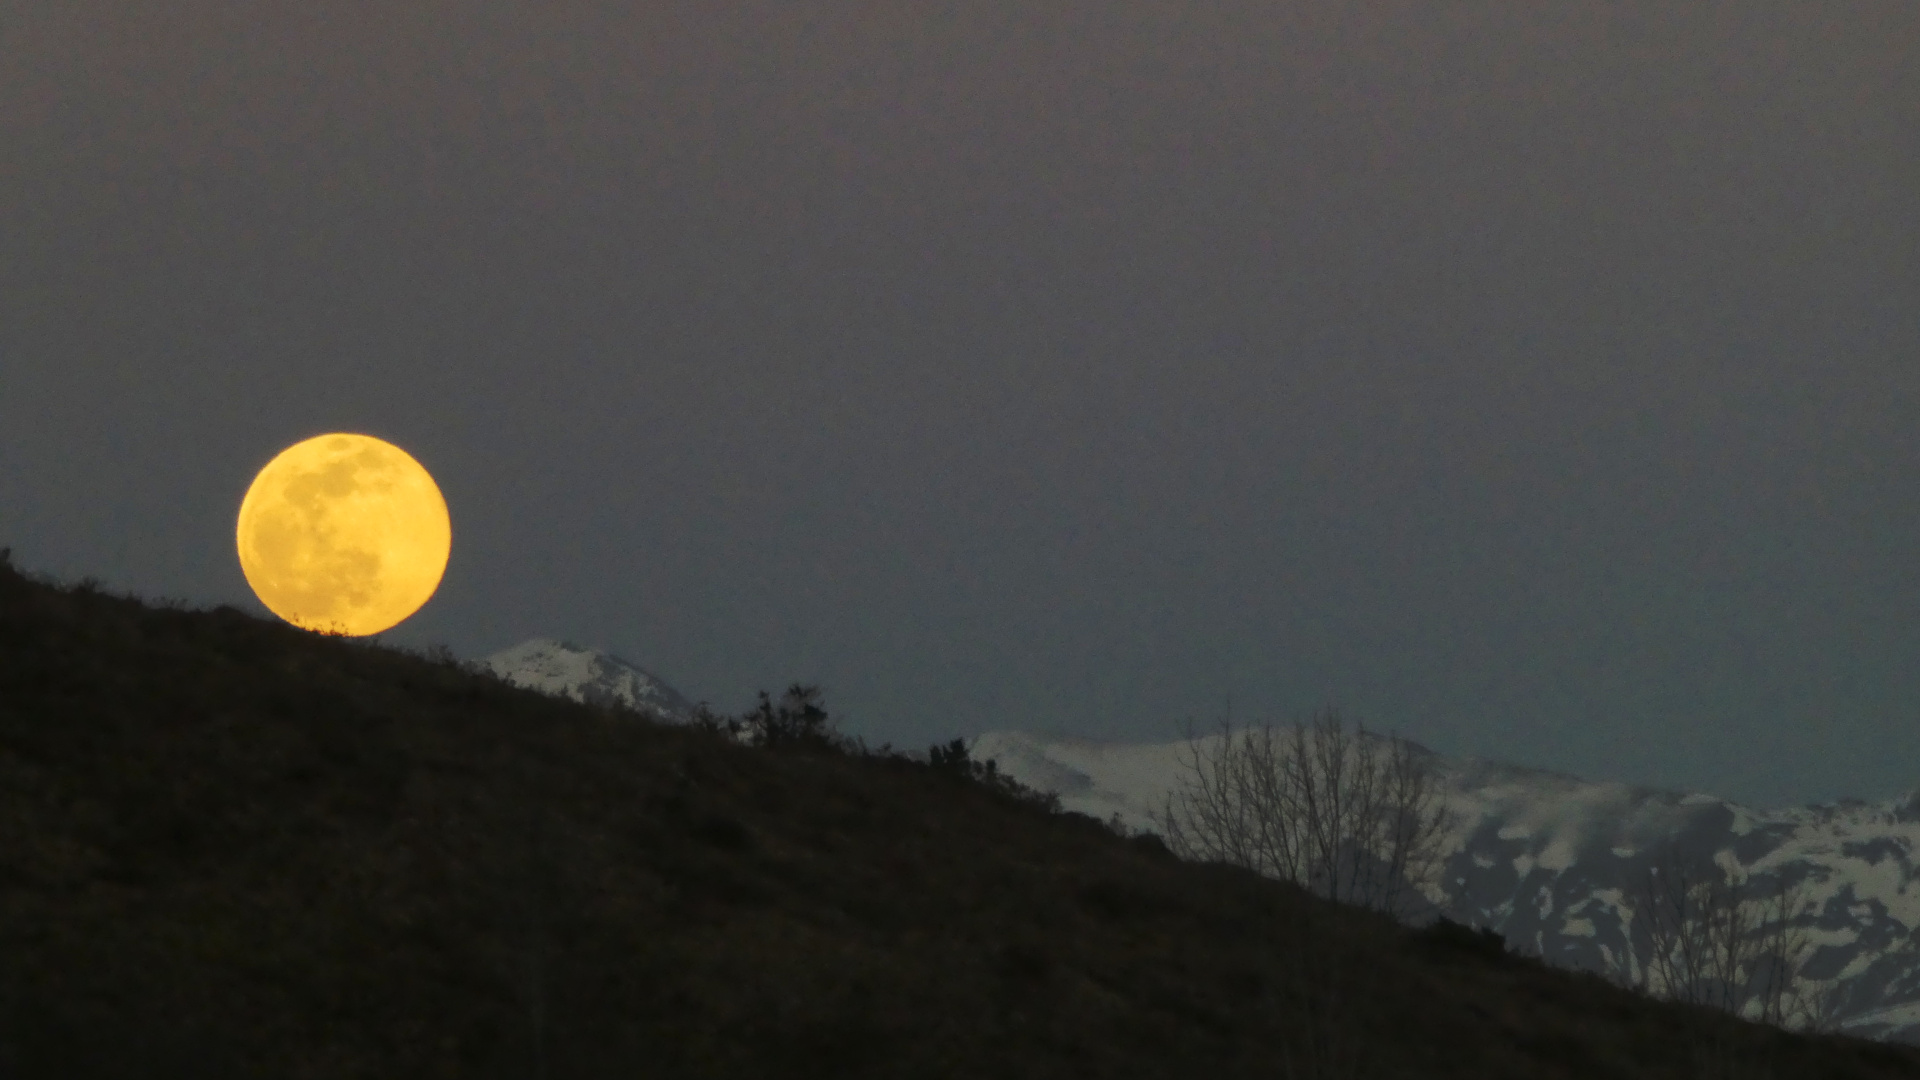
[[229, 848]]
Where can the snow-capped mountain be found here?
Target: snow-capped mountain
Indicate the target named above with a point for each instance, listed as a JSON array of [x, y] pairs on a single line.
[[1552, 862], [591, 676]]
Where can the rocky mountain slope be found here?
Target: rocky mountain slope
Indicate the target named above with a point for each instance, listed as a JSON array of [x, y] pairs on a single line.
[[1552, 862]]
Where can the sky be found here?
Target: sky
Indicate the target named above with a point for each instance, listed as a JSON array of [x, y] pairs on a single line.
[[1536, 380]]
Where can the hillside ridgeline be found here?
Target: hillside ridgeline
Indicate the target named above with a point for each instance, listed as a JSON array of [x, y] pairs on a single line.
[[230, 848]]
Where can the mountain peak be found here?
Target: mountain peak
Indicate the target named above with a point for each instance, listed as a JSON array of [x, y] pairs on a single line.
[[588, 675]]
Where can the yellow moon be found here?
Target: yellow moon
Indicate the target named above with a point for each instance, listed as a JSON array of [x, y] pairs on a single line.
[[344, 534]]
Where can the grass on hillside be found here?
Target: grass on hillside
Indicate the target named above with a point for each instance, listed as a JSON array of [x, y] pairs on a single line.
[[230, 848]]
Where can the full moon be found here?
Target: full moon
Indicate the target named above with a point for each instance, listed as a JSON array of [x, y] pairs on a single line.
[[344, 534]]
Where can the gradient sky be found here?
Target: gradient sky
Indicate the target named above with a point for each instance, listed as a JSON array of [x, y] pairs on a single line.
[[1538, 380]]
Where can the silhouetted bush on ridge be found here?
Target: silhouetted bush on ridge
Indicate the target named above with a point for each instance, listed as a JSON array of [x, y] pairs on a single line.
[[952, 759], [799, 721], [1444, 933]]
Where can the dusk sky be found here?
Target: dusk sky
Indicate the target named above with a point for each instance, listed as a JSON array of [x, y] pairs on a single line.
[[1537, 380]]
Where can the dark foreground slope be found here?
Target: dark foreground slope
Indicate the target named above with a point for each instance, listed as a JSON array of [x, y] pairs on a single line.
[[229, 848]]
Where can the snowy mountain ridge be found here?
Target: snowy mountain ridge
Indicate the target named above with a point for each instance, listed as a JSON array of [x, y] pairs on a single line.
[[1548, 860], [1551, 861]]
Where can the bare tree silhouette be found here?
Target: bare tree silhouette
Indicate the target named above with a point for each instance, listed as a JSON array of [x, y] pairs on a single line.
[[1719, 937], [1350, 815]]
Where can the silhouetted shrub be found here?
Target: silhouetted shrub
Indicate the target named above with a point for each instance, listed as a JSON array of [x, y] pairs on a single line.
[[713, 723], [954, 760], [951, 758], [798, 720], [1447, 935], [1151, 844]]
